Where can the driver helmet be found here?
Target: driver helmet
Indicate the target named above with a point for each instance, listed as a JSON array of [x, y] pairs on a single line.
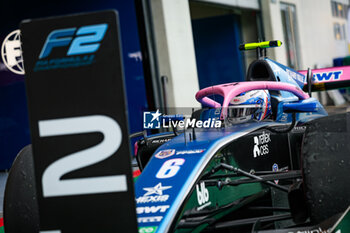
[[250, 105]]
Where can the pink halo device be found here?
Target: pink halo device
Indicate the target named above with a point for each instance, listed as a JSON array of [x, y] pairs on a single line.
[[231, 90]]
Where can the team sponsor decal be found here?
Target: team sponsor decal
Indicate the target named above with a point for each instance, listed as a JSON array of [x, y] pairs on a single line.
[[248, 98], [318, 230], [161, 140], [299, 129], [156, 120], [149, 219], [296, 76], [154, 194], [275, 169], [147, 229], [196, 151], [202, 196], [165, 153], [261, 146], [80, 45], [327, 76], [152, 209], [284, 117]]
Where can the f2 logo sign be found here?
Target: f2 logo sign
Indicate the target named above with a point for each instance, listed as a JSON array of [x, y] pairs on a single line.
[[82, 155], [86, 41]]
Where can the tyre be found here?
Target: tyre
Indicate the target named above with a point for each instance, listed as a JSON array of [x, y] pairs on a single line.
[[326, 166], [20, 203]]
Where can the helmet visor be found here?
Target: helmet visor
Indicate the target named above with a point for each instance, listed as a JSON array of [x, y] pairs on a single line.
[[242, 113]]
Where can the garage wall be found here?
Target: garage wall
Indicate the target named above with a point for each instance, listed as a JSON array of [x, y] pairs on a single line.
[[175, 51], [249, 33], [318, 46]]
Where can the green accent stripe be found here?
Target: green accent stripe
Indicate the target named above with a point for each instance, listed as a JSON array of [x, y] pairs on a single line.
[[146, 229]]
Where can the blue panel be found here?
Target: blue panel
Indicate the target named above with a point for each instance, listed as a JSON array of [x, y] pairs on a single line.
[[300, 106], [14, 130], [169, 192], [216, 42]]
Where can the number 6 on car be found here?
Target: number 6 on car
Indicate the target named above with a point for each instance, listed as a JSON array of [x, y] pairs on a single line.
[[53, 186], [170, 168]]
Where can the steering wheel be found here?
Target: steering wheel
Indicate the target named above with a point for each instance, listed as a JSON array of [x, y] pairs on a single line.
[[231, 90]]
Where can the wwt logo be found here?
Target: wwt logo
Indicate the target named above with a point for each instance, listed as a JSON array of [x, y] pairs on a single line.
[[327, 76]]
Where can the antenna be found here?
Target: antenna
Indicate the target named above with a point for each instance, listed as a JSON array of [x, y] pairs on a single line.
[[260, 47], [185, 136]]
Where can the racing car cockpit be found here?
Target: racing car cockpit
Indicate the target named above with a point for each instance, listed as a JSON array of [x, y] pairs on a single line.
[[257, 99], [260, 70]]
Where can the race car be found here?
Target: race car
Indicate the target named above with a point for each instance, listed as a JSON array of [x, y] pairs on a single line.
[[271, 167], [260, 156]]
